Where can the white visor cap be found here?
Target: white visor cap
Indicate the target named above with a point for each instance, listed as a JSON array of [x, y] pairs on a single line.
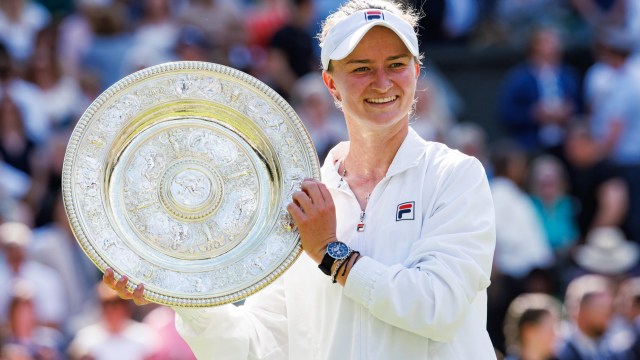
[[347, 33]]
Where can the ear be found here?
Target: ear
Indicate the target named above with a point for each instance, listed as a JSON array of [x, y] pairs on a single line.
[[417, 66], [330, 84]]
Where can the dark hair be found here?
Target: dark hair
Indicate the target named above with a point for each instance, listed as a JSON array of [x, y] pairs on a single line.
[[527, 309], [5, 62], [503, 153]]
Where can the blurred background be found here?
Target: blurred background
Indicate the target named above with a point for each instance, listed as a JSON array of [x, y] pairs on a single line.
[[545, 93]]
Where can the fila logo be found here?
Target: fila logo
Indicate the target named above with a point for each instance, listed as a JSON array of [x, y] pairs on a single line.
[[405, 211], [374, 15]]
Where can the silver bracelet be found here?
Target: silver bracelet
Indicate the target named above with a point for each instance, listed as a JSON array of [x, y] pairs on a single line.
[[338, 263]]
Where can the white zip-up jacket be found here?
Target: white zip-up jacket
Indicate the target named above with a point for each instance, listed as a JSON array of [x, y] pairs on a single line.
[[418, 292]]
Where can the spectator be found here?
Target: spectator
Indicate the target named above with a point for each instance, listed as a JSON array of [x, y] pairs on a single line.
[[55, 246], [154, 37], [61, 94], [531, 327], [435, 108], [47, 181], [48, 296], [192, 45], [14, 184], [589, 303], [116, 335], [263, 18], [111, 42], [520, 241], [594, 182], [447, 21], [292, 49], [615, 114], [553, 204], [314, 105], [220, 22], [26, 96], [76, 34], [20, 21], [157, 29], [630, 310], [471, 139], [521, 248], [16, 148], [513, 21], [35, 340], [540, 95]]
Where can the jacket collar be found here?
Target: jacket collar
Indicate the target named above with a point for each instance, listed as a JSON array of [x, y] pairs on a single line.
[[409, 155]]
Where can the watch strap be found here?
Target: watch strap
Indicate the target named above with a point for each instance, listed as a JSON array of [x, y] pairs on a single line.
[[326, 263]]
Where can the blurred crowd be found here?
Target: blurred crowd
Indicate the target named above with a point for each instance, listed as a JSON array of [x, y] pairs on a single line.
[[564, 171]]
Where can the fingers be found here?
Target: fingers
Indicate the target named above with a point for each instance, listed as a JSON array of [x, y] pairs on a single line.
[[108, 278], [138, 295], [312, 189], [326, 195], [313, 198], [302, 200], [295, 212], [316, 193], [120, 286]]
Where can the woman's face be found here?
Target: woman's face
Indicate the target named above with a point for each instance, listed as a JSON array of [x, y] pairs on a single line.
[[543, 335], [376, 83]]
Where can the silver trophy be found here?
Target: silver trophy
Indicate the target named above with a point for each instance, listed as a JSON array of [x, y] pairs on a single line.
[[179, 175]]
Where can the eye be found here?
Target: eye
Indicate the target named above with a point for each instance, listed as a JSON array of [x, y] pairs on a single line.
[[361, 69], [397, 65]]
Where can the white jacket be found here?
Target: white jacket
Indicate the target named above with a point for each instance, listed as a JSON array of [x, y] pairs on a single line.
[[419, 292]]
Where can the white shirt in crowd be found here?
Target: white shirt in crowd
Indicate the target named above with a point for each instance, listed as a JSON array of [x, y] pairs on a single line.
[[521, 245]]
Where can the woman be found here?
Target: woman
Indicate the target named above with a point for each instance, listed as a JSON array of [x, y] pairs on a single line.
[[419, 215], [16, 148], [531, 327]]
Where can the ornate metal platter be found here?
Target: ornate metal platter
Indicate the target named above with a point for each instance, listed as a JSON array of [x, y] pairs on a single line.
[[179, 176]]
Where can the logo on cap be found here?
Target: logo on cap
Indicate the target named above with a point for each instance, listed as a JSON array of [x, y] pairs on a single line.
[[371, 15], [405, 211]]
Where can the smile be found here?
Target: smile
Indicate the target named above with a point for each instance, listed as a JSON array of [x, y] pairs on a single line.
[[382, 100]]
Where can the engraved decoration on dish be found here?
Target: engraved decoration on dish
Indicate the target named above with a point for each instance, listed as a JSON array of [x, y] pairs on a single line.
[[179, 175]]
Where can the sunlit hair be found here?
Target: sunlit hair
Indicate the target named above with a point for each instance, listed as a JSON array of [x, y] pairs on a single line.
[[581, 289], [527, 309]]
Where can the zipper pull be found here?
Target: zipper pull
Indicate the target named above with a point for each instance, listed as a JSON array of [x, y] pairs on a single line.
[[360, 226]]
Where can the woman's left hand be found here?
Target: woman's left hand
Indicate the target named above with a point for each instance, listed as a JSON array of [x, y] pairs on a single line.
[[314, 214]]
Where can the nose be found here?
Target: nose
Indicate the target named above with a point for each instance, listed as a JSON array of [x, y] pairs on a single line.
[[381, 81]]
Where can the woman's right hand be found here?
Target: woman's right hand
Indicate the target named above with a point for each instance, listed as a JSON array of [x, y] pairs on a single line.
[[120, 286]]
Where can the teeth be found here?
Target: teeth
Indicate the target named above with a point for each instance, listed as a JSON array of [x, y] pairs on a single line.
[[383, 100]]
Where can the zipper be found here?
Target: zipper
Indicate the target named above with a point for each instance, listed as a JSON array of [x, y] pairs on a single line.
[[360, 226]]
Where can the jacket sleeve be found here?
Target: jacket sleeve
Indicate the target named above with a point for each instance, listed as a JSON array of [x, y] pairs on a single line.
[[255, 330], [430, 293]]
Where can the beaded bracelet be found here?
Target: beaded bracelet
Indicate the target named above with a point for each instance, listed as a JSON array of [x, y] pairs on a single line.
[[338, 263], [344, 263]]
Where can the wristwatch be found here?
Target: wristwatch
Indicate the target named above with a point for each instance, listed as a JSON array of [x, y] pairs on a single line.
[[336, 250]]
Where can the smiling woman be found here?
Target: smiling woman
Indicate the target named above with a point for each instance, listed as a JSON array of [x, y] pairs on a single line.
[[393, 267], [375, 83]]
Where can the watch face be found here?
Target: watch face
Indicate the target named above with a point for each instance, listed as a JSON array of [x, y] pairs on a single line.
[[337, 250]]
